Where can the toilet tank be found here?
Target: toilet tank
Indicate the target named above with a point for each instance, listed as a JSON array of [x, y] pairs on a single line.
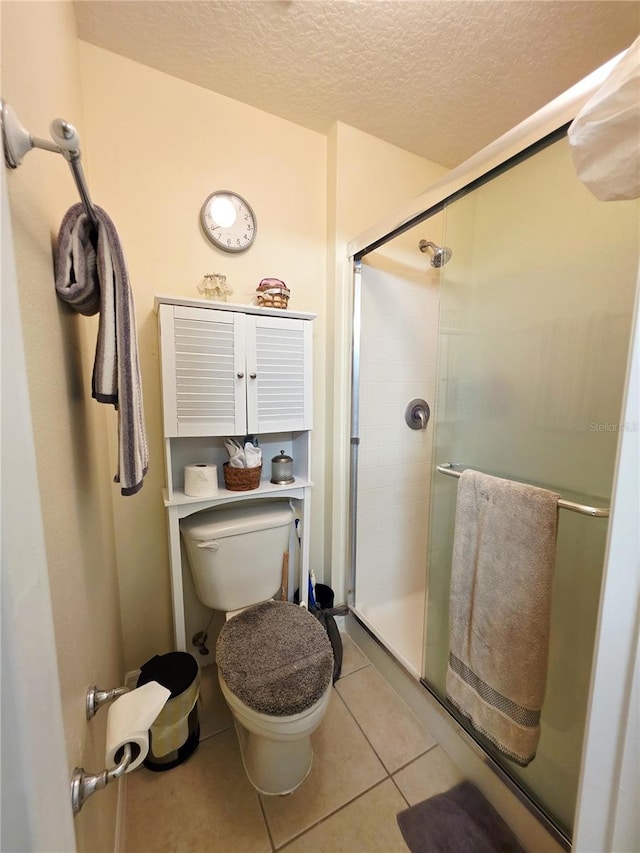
[[236, 553]]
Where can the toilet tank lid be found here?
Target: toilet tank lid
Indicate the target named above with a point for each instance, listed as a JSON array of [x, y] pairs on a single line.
[[231, 521]]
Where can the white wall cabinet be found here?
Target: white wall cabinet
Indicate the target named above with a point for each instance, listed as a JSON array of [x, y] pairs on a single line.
[[232, 370], [231, 373]]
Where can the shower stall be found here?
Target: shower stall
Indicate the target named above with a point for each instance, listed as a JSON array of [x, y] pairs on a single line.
[[517, 340]]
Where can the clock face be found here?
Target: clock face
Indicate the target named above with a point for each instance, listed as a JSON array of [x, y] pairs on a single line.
[[228, 221]]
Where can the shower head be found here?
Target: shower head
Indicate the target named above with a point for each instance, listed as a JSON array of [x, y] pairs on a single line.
[[440, 254]]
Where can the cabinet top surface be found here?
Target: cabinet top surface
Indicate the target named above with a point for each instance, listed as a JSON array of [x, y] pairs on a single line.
[[230, 306]]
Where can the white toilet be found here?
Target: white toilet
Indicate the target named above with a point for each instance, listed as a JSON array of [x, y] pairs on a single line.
[[274, 659]]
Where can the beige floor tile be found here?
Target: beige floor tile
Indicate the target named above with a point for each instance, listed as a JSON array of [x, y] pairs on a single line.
[[205, 804], [427, 776], [367, 825], [344, 766], [392, 728], [352, 657], [213, 712]]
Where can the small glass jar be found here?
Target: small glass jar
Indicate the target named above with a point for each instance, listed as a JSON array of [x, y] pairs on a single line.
[[282, 469]]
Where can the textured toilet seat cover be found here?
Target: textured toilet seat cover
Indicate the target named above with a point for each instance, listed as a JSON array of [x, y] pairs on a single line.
[[275, 657]]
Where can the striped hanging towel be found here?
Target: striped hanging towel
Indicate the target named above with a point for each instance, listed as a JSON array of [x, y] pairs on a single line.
[[91, 276], [500, 609]]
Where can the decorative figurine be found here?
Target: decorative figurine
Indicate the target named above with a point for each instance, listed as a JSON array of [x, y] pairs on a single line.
[[214, 286]]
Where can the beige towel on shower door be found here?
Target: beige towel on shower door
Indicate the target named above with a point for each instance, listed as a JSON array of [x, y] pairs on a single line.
[[503, 559]]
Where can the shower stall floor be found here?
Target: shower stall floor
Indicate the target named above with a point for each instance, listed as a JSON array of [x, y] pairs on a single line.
[[399, 625]]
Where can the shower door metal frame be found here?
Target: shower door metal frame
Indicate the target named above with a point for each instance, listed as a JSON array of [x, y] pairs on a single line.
[[354, 439], [356, 325], [553, 828], [543, 128]]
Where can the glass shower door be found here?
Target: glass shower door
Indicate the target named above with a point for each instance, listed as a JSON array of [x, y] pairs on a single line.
[[535, 316]]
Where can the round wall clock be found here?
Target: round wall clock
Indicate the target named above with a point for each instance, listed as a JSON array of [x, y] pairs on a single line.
[[228, 221]]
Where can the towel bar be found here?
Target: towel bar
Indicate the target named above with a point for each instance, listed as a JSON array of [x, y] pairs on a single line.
[[17, 141], [583, 509]]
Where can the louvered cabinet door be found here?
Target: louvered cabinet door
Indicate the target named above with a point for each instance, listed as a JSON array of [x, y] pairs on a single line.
[[203, 369], [279, 370]]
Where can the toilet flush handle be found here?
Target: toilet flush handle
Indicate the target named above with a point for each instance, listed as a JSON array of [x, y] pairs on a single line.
[[211, 546]]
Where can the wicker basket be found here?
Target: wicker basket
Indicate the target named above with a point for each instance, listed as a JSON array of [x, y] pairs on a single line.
[[273, 293], [273, 298], [241, 479]]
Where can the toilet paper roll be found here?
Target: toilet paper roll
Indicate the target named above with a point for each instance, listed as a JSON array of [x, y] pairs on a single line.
[[201, 480], [130, 718]]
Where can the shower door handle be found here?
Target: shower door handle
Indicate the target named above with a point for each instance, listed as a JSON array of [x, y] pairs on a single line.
[[417, 414]]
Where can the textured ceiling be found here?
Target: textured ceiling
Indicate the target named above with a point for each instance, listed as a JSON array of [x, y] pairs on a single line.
[[441, 78]]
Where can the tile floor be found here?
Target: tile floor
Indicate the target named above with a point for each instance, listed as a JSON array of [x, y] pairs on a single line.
[[372, 758]]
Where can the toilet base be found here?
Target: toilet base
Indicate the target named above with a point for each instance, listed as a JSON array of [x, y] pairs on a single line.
[[276, 751], [274, 767]]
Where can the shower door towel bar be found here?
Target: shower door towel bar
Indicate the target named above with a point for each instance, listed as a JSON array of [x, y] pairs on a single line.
[[583, 509]]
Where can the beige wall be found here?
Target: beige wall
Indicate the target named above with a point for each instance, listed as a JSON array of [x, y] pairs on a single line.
[[368, 180], [372, 178], [40, 78], [154, 148], [159, 147]]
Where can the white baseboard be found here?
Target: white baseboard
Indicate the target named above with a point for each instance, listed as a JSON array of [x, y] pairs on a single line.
[[131, 678]]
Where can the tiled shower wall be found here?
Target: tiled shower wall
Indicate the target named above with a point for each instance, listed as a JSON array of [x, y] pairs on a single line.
[[397, 364]]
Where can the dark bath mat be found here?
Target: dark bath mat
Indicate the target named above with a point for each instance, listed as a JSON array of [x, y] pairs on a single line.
[[458, 821]]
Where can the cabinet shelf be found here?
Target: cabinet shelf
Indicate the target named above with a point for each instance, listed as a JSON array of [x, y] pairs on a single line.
[[227, 496], [230, 306], [210, 449]]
